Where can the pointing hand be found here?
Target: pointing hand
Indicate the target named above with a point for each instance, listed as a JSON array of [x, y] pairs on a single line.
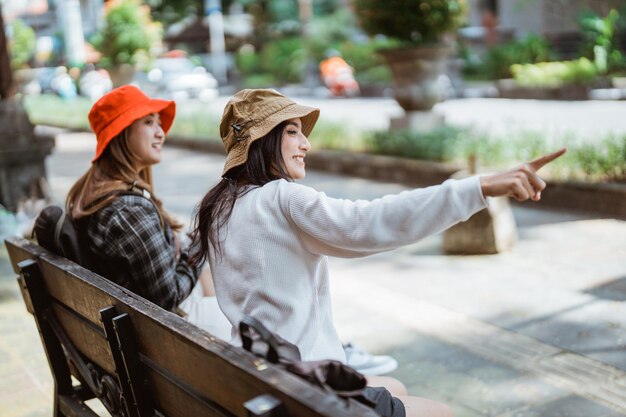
[[521, 183]]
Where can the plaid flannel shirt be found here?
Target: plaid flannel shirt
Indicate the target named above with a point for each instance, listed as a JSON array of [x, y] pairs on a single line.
[[128, 246]]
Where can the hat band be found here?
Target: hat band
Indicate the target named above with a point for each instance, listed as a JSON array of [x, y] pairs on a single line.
[[240, 129]]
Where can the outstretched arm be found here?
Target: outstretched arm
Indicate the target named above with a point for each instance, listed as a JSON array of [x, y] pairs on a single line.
[[521, 183]]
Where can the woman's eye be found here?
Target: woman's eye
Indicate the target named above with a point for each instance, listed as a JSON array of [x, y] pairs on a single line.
[[292, 132]]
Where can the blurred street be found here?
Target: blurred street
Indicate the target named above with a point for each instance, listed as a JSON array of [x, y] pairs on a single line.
[[537, 331], [498, 116]]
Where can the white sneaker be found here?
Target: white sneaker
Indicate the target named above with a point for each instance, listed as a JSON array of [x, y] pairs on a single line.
[[367, 363]]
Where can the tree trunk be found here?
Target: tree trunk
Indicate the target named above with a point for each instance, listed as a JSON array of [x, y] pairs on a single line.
[[7, 89]]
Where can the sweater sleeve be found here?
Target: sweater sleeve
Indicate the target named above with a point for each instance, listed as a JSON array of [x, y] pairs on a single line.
[[133, 235], [345, 228]]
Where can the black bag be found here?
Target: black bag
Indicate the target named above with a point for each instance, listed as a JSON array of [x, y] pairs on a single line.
[[330, 375], [57, 232]]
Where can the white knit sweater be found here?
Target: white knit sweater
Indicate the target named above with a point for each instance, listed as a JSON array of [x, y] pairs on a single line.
[[274, 264]]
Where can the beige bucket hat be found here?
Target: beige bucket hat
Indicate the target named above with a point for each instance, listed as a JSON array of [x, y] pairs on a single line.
[[251, 114]]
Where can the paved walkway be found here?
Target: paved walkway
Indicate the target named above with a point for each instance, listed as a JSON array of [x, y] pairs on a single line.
[[537, 331]]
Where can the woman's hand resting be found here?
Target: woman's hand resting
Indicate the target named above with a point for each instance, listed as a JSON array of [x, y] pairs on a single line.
[[521, 183]]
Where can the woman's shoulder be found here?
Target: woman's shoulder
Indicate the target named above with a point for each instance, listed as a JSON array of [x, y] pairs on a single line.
[[125, 205], [130, 201], [284, 189]]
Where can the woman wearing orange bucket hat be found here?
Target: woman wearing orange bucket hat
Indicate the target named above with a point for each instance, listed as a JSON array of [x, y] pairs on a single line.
[[128, 236], [267, 238]]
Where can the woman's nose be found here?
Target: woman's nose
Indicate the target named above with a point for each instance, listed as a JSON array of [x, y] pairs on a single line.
[[305, 145]]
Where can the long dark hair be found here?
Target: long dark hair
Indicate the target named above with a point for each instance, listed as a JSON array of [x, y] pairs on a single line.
[[264, 164]]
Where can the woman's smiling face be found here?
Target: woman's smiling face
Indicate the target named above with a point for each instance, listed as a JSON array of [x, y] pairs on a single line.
[[294, 146], [145, 138]]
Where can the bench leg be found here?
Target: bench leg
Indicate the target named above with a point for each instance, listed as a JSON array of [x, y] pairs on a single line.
[[30, 277], [131, 377]]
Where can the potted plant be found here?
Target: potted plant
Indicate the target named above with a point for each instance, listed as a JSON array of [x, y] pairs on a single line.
[[128, 36], [419, 29]]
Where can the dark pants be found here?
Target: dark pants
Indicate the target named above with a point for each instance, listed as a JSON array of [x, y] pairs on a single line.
[[385, 404]]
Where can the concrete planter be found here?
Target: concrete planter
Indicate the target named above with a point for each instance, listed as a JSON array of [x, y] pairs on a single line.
[[122, 74], [416, 74], [509, 88], [22, 156]]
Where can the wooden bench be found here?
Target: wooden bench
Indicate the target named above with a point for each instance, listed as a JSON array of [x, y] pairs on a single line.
[[140, 360]]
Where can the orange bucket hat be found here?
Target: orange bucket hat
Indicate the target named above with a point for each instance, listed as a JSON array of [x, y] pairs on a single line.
[[119, 108], [251, 114]]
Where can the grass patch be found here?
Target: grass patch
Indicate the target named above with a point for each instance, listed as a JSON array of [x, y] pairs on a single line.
[[48, 109], [598, 159], [336, 136], [196, 123]]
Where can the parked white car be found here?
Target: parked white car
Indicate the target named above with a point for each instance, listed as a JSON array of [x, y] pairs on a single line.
[[180, 78]]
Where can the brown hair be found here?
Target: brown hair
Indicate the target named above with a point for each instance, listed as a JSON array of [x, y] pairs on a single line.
[[112, 171]]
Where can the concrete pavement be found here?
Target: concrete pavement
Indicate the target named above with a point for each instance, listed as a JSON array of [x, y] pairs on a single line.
[[537, 331]]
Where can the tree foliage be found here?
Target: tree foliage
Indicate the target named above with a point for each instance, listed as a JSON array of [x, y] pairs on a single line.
[[411, 21], [601, 42], [22, 45], [129, 33], [172, 11]]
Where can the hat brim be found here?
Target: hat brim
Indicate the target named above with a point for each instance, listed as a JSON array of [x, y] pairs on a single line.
[[238, 155], [165, 108]]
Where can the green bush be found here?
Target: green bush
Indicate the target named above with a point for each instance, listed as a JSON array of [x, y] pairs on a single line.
[[284, 59], [248, 61], [22, 44], [329, 31], [280, 61], [329, 135], [441, 144], [262, 80], [196, 123], [128, 34], [601, 43], [369, 66], [555, 74], [602, 163], [497, 61], [414, 22]]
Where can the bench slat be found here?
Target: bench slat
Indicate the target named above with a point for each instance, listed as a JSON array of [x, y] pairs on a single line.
[[85, 338], [80, 296], [232, 382], [189, 372], [172, 400]]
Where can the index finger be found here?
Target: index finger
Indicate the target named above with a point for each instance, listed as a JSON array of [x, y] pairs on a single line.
[[538, 163]]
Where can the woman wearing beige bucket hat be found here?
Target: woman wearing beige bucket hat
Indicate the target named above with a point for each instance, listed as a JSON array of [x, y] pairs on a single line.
[[126, 234], [267, 237]]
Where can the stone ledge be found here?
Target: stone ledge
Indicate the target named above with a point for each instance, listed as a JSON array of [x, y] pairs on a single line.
[[508, 88], [604, 199]]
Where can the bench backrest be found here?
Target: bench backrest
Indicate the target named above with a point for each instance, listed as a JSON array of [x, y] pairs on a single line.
[[138, 358]]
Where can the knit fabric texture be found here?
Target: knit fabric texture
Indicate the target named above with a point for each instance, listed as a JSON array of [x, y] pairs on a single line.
[[275, 246]]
